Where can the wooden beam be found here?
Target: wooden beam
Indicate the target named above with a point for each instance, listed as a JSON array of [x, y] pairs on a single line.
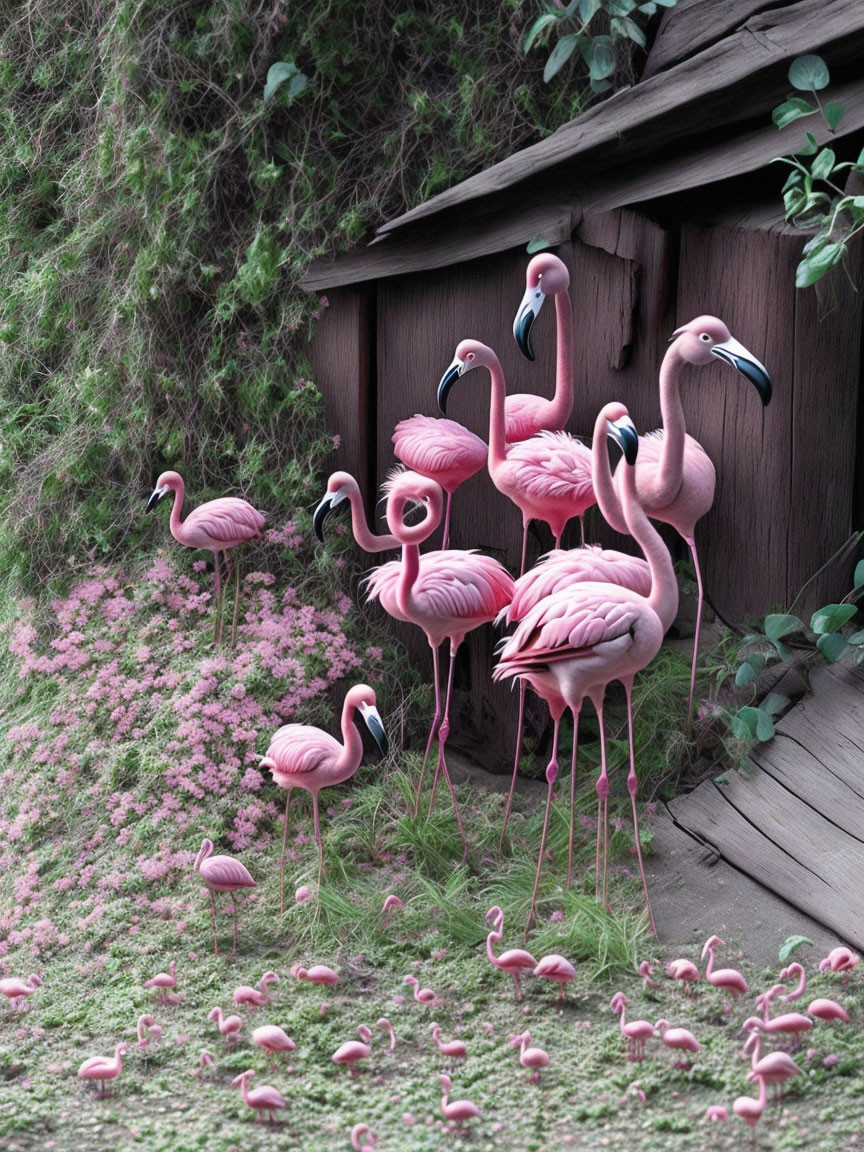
[[694, 24]]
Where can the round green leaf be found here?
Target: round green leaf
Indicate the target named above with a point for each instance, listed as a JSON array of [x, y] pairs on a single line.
[[832, 617], [278, 74], [778, 625], [789, 945], [537, 244], [809, 74], [774, 703], [559, 55], [764, 726], [744, 674], [833, 114], [602, 63], [858, 578], [832, 646]]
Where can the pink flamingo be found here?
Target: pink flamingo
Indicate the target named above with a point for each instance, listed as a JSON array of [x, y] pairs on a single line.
[[300, 756], [14, 989], [271, 1038], [342, 486], [749, 1109], [546, 275], [317, 974], [534, 1058], [353, 1050], [775, 1067], [793, 1024], [637, 1033], [256, 997], [574, 642], [229, 1026], [385, 1024], [555, 968], [263, 1099], [456, 1109], [446, 594], [821, 1008], [645, 971], [390, 904], [453, 1049], [362, 1138], [146, 1030], [217, 526], [684, 970], [840, 959], [101, 1069], [421, 995], [163, 982], [441, 450], [514, 960], [222, 874], [303, 893], [548, 477], [679, 1039], [675, 478], [553, 571], [716, 1113], [205, 1061], [728, 978]]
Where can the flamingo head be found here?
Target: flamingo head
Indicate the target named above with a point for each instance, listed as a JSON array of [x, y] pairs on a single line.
[[445, 1082], [495, 916], [240, 1080], [710, 944], [469, 354], [203, 852], [362, 698], [205, 1059], [618, 1002], [167, 482], [215, 1013], [546, 275], [364, 1032], [751, 1024], [393, 901], [706, 336], [411, 980], [623, 432], [340, 487], [661, 1026]]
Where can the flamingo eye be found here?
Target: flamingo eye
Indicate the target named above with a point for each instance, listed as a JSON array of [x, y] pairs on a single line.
[[705, 337], [470, 356]]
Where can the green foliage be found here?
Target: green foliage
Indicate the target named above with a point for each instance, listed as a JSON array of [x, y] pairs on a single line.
[[790, 945], [812, 197], [599, 34]]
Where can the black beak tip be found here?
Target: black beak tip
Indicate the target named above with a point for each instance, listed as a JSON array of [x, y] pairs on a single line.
[[522, 335], [759, 379], [447, 381], [379, 735], [152, 502], [322, 513]]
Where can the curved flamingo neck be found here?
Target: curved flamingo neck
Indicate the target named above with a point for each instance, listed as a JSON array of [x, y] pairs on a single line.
[[368, 540], [756, 1054], [601, 478], [204, 851], [671, 470], [497, 435], [496, 936], [562, 402], [710, 968], [175, 523], [622, 1022], [352, 752], [797, 970]]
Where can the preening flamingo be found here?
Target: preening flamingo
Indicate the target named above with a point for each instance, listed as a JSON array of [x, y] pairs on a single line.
[[388, 1027], [452, 1049], [353, 1050], [684, 970], [446, 594], [456, 1109], [637, 1033], [163, 982], [263, 1099], [421, 995], [728, 978], [101, 1069], [514, 960], [256, 997], [300, 756], [555, 968], [548, 477], [775, 1067], [217, 526], [674, 477], [317, 974], [840, 959], [221, 874], [362, 1138], [390, 904], [229, 1026], [13, 988], [533, 1058], [441, 450], [546, 275], [574, 642], [273, 1039]]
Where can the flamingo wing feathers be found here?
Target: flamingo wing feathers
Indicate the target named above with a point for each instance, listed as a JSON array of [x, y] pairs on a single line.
[[459, 585], [443, 450], [225, 871], [523, 416], [576, 566], [299, 748], [554, 465], [228, 520]]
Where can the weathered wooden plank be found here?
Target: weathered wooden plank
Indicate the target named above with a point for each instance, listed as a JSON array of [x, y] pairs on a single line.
[[816, 780], [694, 24], [695, 95], [828, 726], [772, 836]]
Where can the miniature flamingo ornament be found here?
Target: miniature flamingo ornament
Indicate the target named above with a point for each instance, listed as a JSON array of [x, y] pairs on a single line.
[[530, 1057], [255, 997], [751, 1110], [716, 1113], [146, 1030], [645, 971], [456, 1109], [163, 982], [637, 1033], [421, 995], [775, 1067], [821, 1008], [840, 959], [685, 971], [453, 1050], [555, 968], [385, 1023], [222, 874], [101, 1069], [303, 894], [217, 526], [16, 990], [205, 1061], [362, 1138], [271, 1038], [317, 974], [516, 961], [354, 1050], [390, 904], [263, 1099], [729, 979], [229, 1026], [679, 1039]]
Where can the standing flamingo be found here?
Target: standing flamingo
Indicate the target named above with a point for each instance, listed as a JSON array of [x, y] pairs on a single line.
[[146, 1029], [263, 1099], [317, 974], [217, 526], [775, 1067], [353, 1050], [548, 477], [256, 997], [421, 995], [456, 1109], [342, 486], [101, 1069], [728, 978], [390, 904], [684, 970], [749, 1109], [675, 478], [229, 1026], [534, 1058], [677, 1038], [821, 1008], [574, 642], [555, 968], [388, 1027], [300, 756], [546, 275], [514, 960], [453, 1049], [13, 988], [163, 982], [637, 1033], [441, 450], [273, 1039], [221, 874]]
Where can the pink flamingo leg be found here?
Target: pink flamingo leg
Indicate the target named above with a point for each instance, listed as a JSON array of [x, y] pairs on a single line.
[[693, 553], [282, 857], [217, 627], [519, 730], [582, 529], [444, 730], [573, 763], [632, 788], [318, 837], [215, 935], [551, 776], [236, 615], [602, 806], [432, 731], [445, 540], [234, 946], [525, 524]]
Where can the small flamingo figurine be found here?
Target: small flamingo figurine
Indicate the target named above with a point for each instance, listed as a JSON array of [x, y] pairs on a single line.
[[353, 1050], [729, 979], [556, 968], [146, 1030], [256, 997], [516, 961], [677, 1038], [453, 1049], [685, 971], [391, 904], [317, 974], [229, 1026], [15, 989], [163, 982], [645, 971], [205, 1061], [216, 526], [821, 1008], [263, 1099], [751, 1110], [222, 874], [421, 995], [362, 1138], [840, 959], [456, 1109], [101, 1069], [533, 1058], [774, 1068], [272, 1039], [385, 1023], [637, 1033]]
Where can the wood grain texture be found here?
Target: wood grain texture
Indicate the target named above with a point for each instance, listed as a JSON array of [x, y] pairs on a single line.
[[692, 25]]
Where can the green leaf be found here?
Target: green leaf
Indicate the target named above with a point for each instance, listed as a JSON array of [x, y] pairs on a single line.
[[744, 674], [620, 7], [559, 55], [815, 242], [600, 85], [832, 646], [537, 244], [764, 726], [279, 73], [588, 9], [858, 578], [859, 163], [774, 703], [779, 625], [789, 945], [833, 114], [793, 109], [857, 638], [809, 74], [624, 26], [537, 27], [649, 9], [667, 3], [815, 266], [832, 617], [602, 62], [810, 148], [823, 165]]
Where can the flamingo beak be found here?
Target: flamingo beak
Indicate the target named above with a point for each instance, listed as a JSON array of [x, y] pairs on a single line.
[[155, 496], [376, 727], [326, 509], [624, 433], [527, 313], [456, 369], [731, 352]]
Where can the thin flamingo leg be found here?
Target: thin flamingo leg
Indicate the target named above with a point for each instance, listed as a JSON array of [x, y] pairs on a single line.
[[282, 857], [558, 538], [551, 776], [693, 553], [573, 764], [525, 524], [215, 935], [582, 529], [444, 730], [519, 730], [236, 615], [632, 788], [318, 837], [217, 626], [234, 902], [603, 797], [432, 731], [445, 539]]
